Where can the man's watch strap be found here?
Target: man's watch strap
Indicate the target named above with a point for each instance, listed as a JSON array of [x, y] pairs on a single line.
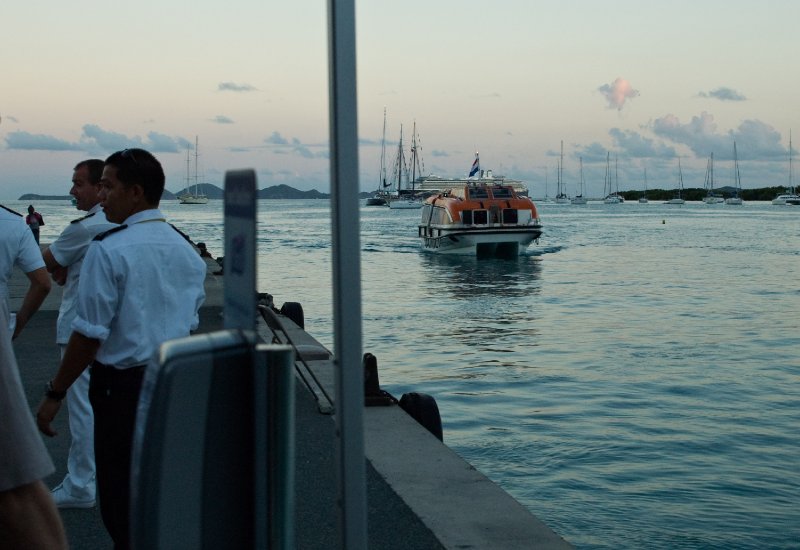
[[51, 393]]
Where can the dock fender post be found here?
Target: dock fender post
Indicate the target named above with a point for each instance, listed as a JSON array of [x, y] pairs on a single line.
[[422, 408], [294, 311], [373, 394]]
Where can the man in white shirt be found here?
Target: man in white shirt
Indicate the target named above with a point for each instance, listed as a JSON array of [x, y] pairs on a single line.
[[18, 247], [141, 284], [63, 259], [28, 516]]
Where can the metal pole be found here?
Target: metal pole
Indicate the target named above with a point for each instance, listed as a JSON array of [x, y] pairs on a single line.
[[346, 273]]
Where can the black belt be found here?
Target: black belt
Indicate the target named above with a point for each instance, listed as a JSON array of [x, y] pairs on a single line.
[[102, 366]]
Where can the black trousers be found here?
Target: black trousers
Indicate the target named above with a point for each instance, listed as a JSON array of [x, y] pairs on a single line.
[[114, 395]]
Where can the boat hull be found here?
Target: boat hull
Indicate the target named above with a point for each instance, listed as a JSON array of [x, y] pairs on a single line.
[[194, 200], [402, 204], [497, 242]]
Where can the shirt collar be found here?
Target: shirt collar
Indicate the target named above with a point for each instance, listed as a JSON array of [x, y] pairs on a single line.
[[95, 209], [143, 216]]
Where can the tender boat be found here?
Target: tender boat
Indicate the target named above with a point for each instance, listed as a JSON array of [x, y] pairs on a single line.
[[479, 219]]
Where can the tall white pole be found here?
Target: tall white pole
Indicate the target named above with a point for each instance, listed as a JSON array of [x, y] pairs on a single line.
[[345, 240]]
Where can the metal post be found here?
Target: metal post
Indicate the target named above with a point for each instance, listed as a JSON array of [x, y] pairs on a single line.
[[346, 273]]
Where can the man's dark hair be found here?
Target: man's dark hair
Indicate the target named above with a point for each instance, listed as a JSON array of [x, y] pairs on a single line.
[[137, 166], [94, 167]]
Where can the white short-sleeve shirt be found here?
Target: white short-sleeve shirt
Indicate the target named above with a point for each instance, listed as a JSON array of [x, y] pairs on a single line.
[[68, 250], [140, 285], [17, 247]]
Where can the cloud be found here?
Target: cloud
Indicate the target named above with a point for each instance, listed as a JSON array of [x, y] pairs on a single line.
[[284, 147], [39, 142], [301, 149], [617, 93], [222, 119], [594, 152], [96, 139], [635, 145], [234, 87], [754, 139], [439, 153], [9, 118], [276, 139], [160, 143], [724, 94]]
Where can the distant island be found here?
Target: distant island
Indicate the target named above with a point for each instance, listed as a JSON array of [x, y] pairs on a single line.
[[280, 192], [284, 192]]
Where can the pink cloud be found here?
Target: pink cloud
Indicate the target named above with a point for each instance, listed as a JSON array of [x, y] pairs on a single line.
[[617, 93]]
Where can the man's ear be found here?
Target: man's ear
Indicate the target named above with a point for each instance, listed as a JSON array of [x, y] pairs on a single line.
[[137, 192]]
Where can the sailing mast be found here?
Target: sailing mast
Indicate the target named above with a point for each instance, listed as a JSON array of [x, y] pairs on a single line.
[[382, 175], [415, 156], [196, 155]]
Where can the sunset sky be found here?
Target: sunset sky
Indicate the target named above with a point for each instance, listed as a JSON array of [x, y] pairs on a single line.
[[648, 82]]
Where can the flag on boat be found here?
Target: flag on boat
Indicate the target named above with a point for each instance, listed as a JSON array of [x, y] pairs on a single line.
[[476, 166]]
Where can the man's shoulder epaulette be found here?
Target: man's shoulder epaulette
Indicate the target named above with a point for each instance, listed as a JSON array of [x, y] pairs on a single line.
[[83, 218], [13, 212], [184, 235], [105, 234]]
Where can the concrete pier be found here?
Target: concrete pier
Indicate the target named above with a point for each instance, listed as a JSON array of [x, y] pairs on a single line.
[[421, 495]]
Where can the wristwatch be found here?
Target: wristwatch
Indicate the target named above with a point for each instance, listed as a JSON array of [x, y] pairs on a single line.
[[50, 393]]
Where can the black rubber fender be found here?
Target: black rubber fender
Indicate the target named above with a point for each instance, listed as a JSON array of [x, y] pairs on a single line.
[[422, 408], [294, 311]]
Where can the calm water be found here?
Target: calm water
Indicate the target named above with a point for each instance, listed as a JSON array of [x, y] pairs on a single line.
[[633, 379]]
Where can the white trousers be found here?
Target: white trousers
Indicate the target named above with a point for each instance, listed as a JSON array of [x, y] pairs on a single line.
[[79, 482]]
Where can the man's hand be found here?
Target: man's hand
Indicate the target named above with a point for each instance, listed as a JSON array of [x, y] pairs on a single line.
[[59, 275], [48, 409]]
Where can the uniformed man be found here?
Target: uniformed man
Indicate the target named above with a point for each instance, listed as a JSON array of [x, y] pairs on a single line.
[[141, 284], [63, 259], [28, 516], [18, 247]]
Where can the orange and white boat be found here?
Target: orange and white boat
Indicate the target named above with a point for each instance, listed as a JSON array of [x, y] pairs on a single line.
[[479, 219]]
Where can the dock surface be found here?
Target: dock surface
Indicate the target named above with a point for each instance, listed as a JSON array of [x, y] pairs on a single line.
[[420, 494]]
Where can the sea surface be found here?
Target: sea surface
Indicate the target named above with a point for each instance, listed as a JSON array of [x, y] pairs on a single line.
[[633, 379]]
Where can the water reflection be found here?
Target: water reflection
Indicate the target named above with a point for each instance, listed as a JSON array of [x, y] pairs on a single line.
[[465, 277]]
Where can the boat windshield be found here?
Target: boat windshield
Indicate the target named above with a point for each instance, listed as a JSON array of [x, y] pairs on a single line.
[[501, 192], [478, 193]]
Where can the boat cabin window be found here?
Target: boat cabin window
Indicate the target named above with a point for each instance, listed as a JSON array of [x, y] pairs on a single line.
[[510, 215], [466, 217], [501, 193], [439, 216], [478, 193], [480, 217]]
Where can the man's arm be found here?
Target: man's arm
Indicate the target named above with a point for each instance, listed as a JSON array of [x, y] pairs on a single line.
[[56, 270], [29, 518], [80, 352], [37, 291]]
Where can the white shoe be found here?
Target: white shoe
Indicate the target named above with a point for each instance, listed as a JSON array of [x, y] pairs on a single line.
[[65, 500]]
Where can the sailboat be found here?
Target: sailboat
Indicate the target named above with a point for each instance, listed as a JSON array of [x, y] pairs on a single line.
[[737, 181], [403, 197], [790, 197], [677, 198], [711, 197], [643, 198], [192, 197], [379, 198], [612, 196], [579, 198], [561, 197]]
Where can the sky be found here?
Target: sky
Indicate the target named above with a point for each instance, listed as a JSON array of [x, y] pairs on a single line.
[[647, 83]]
